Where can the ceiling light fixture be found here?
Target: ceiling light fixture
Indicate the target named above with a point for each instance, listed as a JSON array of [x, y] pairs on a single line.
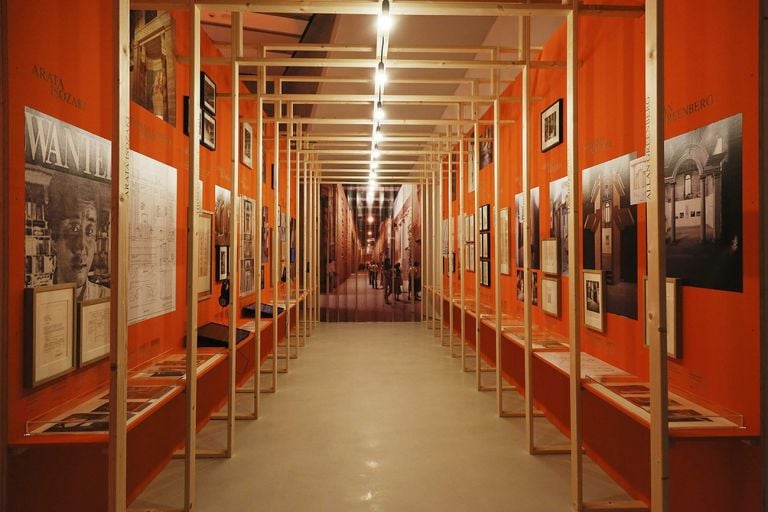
[[379, 112], [381, 74], [375, 154], [385, 20], [377, 135]]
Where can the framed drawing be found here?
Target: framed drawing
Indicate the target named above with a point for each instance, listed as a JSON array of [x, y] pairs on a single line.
[[550, 262], [485, 217], [485, 273], [674, 316], [204, 243], [222, 262], [209, 131], [594, 299], [207, 93], [93, 331], [552, 126], [247, 136], [504, 241], [469, 228], [550, 295], [485, 245], [49, 349], [469, 257]]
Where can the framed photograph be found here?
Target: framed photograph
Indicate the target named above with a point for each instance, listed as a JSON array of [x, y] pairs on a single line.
[[504, 241], [520, 286], [469, 257], [49, 349], [222, 262], [153, 63], [552, 126], [469, 228], [594, 300], [485, 273], [247, 277], [207, 93], [471, 166], [204, 245], [209, 131], [247, 142], [486, 147], [223, 209], [674, 317], [485, 217], [93, 331], [485, 245], [550, 262], [550, 296]]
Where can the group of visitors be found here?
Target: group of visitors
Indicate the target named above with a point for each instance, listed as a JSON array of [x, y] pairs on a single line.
[[391, 279]]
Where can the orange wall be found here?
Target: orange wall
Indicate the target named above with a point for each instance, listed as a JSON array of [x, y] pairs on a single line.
[[720, 361], [65, 43]]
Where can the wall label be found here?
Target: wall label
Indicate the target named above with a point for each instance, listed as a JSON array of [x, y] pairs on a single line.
[[57, 87], [672, 114], [598, 145]]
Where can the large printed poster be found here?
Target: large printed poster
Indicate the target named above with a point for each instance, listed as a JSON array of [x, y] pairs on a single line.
[[151, 239], [703, 205], [67, 206], [610, 232]]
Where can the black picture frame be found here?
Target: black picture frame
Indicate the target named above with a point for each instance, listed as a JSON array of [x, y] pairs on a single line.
[[207, 93], [222, 262], [208, 131], [552, 126], [485, 217]]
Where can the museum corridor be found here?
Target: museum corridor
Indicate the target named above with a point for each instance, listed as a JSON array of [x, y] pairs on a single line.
[[377, 416]]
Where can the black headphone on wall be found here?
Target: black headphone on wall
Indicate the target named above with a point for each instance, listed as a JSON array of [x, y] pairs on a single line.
[[224, 295]]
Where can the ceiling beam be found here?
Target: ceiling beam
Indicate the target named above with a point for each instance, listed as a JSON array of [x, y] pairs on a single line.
[[315, 62], [372, 7]]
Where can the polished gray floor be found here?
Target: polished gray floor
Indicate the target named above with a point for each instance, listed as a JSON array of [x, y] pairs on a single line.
[[378, 417]]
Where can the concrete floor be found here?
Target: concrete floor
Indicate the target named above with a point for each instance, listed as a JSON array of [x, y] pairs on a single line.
[[378, 417]]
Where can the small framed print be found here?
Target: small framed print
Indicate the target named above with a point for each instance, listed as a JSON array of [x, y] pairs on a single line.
[[222, 262], [207, 93], [550, 261], [49, 349], [594, 300], [552, 126], [93, 331], [550, 296], [485, 245], [469, 257], [204, 245], [208, 131], [485, 273], [504, 241], [469, 228], [674, 315], [485, 217], [247, 142]]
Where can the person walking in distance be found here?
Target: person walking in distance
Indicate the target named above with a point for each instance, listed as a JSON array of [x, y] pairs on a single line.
[[398, 281], [386, 276], [414, 281], [373, 272]]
